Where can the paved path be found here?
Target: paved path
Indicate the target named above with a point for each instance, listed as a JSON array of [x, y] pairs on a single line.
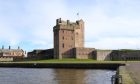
[[134, 71]]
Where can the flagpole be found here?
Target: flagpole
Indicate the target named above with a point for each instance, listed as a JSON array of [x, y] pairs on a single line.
[[78, 16]]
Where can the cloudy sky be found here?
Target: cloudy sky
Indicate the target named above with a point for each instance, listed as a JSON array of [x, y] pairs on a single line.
[[109, 24]]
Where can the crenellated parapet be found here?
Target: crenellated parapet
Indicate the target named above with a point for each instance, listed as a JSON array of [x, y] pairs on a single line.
[[61, 24]]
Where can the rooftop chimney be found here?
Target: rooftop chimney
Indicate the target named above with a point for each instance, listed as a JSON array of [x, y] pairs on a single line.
[[57, 21], [60, 20], [68, 21], [9, 47], [2, 46], [18, 47]]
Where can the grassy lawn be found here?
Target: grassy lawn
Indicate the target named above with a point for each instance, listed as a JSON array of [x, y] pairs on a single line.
[[71, 61], [64, 61]]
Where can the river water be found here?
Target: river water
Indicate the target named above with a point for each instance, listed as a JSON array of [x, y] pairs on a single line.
[[54, 76]]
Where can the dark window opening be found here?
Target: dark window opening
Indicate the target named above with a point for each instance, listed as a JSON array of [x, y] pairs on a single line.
[[63, 45], [63, 37], [71, 31], [71, 38]]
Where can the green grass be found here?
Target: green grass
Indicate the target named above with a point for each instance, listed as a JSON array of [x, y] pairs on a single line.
[[70, 61], [64, 60]]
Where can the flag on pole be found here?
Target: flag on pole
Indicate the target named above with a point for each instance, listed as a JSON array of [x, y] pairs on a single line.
[[77, 14]]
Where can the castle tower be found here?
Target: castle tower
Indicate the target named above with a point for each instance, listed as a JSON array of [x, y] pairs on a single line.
[[67, 35]]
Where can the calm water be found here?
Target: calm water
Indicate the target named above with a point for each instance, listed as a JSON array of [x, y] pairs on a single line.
[[54, 76]]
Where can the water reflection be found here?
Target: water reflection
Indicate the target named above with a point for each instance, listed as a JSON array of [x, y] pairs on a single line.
[[83, 76], [54, 76], [70, 76]]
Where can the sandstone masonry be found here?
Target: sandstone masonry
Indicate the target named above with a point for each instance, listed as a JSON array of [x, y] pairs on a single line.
[[69, 40], [69, 43]]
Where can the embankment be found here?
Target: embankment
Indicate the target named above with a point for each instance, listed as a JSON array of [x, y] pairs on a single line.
[[126, 78], [112, 66]]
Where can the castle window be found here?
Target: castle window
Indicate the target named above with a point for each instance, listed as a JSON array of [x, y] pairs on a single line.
[[63, 45], [63, 38], [76, 33], [71, 38], [72, 32], [63, 31]]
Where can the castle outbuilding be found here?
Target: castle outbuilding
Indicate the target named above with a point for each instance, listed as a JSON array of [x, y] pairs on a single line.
[[11, 54]]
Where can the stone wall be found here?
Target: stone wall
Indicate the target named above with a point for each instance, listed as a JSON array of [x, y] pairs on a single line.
[[126, 55], [117, 54], [84, 53], [41, 54], [6, 59], [103, 54]]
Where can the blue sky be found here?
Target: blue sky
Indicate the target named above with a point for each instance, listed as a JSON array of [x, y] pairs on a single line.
[[109, 24]]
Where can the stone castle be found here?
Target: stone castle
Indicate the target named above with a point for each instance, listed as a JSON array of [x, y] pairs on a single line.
[[69, 43], [69, 40]]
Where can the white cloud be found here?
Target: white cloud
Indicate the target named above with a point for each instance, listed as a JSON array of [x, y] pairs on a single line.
[[108, 24], [116, 43], [9, 35], [111, 32]]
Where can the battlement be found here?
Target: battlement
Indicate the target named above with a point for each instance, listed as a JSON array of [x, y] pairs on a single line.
[[61, 24]]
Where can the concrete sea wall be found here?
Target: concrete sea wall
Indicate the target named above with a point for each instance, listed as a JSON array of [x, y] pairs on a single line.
[[126, 78]]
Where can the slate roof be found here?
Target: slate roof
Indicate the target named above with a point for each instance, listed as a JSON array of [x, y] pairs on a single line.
[[10, 50]]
